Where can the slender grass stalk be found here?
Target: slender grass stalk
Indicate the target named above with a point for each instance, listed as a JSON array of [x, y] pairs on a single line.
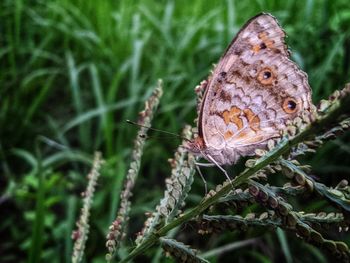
[[38, 228], [80, 235], [117, 229], [178, 186], [228, 247]]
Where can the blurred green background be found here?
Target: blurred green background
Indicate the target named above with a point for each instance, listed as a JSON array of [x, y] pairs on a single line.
[[72, 72]]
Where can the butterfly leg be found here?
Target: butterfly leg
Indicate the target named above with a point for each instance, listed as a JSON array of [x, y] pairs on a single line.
[[220, 167], [206, 164], [201, 175]]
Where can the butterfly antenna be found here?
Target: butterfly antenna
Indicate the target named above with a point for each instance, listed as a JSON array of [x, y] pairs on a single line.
[[157, 130]]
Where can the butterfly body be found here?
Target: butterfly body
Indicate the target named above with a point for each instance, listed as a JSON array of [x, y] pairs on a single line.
[[253, 92]]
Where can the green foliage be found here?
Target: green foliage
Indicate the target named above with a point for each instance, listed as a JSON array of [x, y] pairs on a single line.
[[72, 72]]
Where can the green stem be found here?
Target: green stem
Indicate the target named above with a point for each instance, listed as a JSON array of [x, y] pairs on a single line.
[[38, 228]]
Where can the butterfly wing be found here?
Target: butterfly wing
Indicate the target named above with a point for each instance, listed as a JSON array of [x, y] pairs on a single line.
[[254, 90]]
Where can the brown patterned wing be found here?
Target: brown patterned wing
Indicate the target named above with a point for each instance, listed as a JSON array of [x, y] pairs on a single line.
[[254, 90]]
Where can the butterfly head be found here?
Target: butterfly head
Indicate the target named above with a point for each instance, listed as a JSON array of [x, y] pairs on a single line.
[[195, 146]]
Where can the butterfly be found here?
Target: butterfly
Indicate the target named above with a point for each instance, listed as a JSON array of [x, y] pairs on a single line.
[[253, 92]]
